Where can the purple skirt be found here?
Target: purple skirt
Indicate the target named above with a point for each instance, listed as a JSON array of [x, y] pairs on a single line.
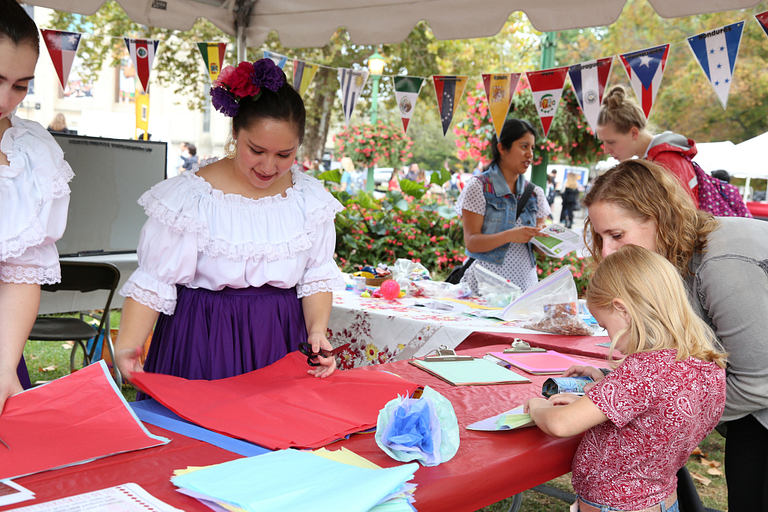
[[23, 374], [218, 334]]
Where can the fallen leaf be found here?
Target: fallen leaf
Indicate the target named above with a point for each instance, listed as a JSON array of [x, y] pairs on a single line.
[[714, 471], [697, 451], [49, 368], [66, 346], [710, 463], [704, 480], [31, 357]]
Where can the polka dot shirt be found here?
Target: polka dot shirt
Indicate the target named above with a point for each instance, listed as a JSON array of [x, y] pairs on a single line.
[[517, 264]]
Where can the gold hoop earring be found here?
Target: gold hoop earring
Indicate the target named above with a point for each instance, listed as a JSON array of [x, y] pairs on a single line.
[[230, 148]]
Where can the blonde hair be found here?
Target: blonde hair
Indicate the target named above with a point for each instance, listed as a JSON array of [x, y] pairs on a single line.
[[59, 123], [654, 297], [347, 165], [572, 181], [620, 110], [645, 190]]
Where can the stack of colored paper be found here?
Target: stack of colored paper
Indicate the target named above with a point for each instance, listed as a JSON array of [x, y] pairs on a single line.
[[297, 480]]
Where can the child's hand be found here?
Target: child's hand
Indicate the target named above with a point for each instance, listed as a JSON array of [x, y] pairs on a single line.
[[584, 371], [535, 403], [563, 399]]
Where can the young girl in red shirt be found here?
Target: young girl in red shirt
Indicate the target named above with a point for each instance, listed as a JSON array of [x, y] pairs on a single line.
[[642, 420]]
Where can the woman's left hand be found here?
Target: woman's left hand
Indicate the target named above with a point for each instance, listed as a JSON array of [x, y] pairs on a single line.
[[327, 364]]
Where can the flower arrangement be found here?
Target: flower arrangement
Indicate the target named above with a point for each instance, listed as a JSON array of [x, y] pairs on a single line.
[[244, 81], [383, 144]]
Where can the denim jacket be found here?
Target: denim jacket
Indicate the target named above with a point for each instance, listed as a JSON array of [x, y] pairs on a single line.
[[500, 212]]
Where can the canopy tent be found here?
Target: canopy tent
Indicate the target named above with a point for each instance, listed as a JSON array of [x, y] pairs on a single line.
[[745, 160], [311, 23]]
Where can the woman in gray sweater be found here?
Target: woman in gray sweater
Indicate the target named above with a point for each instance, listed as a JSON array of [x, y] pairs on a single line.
[[724, 262]]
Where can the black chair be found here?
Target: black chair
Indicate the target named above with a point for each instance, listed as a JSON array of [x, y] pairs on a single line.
[[83, 277]]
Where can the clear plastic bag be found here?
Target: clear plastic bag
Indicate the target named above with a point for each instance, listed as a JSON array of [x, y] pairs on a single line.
[[494, 289], [439, 290], [550, 306], [405, 272]]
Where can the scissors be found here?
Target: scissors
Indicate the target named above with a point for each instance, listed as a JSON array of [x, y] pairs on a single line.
[[306, 349]]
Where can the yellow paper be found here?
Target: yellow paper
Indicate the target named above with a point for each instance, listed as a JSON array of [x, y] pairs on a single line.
[[346, 456]]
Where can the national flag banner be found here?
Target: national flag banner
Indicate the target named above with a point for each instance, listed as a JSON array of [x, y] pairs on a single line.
[[645, 69], [449, 90], [278, 59], [213, 56], [303, 74], [142, 52], [762, 19], [62, 47], [499, 89], [142, 116], [547, 89], [407, 93], [352, 83], [716, 51], [589, 80]]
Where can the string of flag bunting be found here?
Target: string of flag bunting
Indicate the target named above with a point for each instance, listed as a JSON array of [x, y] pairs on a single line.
[[716, 52]]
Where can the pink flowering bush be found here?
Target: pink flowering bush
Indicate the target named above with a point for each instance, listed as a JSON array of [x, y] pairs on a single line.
[[382, 145]]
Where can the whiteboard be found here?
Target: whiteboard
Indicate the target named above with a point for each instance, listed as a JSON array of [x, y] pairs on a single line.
[[110, 176]]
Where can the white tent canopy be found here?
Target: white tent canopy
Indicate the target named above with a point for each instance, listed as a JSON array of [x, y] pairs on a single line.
[[745, 160], [311, 23]]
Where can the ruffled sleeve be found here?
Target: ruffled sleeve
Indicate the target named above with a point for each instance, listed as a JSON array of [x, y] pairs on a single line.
[[322, 274], [167, 250], [34, 194]]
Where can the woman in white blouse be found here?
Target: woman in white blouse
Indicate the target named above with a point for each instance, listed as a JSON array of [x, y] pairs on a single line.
[[34, 198], [236, 259]]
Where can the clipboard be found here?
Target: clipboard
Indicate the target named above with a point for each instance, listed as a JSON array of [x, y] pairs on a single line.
[[474, 372]]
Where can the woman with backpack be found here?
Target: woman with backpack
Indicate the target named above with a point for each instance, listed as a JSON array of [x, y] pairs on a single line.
[[497, 232]]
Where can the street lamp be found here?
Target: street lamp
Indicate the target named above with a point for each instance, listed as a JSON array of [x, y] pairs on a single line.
[[376, 67]]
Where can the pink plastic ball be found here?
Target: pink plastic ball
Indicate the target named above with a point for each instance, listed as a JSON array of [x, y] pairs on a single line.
[[390, 289]]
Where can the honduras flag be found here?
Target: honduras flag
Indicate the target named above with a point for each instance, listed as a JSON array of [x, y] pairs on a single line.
[[716, 52], [645, 69], [278, 59]]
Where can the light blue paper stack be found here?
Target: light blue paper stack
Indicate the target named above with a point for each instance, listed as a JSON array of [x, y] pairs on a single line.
[[295, 480]]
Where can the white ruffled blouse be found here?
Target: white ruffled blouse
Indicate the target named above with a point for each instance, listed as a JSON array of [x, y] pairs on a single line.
[[34, 199], [200, 237]]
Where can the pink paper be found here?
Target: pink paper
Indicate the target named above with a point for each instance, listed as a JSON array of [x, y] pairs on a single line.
[[539, 362], [280, 406], [73, 419]]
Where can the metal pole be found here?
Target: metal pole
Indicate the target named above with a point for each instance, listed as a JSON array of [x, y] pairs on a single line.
[[369, 184], [548, 41]]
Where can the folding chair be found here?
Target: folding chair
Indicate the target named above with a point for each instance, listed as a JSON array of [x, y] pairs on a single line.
[[83, 277]]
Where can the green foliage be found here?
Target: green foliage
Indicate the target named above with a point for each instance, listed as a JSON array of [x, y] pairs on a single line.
[[570, 139], [427, 232], [581, 268], [382, 145]]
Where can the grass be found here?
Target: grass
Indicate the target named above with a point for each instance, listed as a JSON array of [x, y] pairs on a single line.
[[50, 360]]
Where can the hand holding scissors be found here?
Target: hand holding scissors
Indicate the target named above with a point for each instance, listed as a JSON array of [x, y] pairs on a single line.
[[306, 349]]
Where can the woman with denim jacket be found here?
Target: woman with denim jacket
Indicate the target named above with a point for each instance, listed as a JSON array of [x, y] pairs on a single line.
[[724, 263], [493, 234]]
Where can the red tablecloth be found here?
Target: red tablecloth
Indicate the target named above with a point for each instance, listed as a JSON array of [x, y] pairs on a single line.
[[758, 209], [488, 467]]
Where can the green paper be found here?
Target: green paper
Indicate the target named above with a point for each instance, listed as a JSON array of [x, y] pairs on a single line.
[[468, 373]]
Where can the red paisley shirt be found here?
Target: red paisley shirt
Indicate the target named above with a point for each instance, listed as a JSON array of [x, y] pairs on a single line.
[[659, 410]]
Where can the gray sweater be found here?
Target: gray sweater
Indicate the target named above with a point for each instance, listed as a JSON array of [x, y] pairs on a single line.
[[729, 291]]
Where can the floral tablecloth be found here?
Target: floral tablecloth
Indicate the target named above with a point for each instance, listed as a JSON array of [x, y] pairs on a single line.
[[381, 331]]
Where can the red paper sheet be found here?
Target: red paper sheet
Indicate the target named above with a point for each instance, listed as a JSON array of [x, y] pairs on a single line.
[[280, 406], [73, 419], [549, 362]]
